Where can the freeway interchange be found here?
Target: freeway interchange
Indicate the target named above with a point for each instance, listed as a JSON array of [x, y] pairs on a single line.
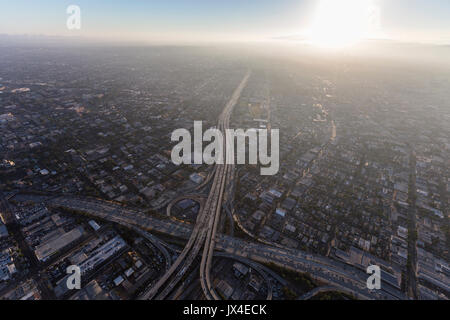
[[334, 273], [204, 234]]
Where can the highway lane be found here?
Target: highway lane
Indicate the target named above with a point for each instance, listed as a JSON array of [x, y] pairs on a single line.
[[329, 271], [223, 173], [192, 242], [115, 213], [335, 273], [157, 243], [205, 221]]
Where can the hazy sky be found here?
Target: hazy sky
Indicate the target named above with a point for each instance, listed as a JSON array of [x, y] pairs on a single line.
[[214, 20]]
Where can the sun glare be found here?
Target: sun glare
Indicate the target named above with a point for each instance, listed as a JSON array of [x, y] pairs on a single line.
[[342, 23]]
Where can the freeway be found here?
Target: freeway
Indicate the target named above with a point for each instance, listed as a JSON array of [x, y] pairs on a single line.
[[157, 243], [205, 228], [324, 269], [121, 215], [223, 176]]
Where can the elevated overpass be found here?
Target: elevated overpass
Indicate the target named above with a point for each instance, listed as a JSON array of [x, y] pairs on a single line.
[[332, 272]]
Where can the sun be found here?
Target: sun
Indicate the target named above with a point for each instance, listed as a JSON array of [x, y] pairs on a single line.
[[342, 23]]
